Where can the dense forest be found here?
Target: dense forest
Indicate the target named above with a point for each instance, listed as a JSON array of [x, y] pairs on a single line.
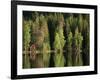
[[54, 39]]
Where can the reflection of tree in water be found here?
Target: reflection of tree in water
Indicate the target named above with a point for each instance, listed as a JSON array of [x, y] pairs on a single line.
[[55, 39], [37, 59]]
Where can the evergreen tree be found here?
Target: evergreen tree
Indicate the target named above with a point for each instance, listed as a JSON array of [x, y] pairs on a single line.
[[58, 55], [59, 43], [41, 41], [46, 42], [68, 44], [80, 23], [52, 24], [69, 49], [77, 45], [63, 34], [86, 41], [26, 39]]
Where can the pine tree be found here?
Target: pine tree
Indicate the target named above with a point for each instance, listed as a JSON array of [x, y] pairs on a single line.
[[41, 40], [26, 39], [80, 23], [63, 34], [86, 52], [77, 45], [69, 49], [59, 43], [46, 42], [46, 54], [68, 45], [58, 55], [34, 27]]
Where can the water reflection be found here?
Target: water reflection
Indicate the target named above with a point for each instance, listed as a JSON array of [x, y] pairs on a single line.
[[41, 59]]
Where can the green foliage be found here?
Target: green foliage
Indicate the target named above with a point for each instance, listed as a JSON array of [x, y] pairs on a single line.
[[86, 40], [59, 59], [59, 39], [46, 54], [26, 35], [80, 23], [77, 60], [26, 61], [63, 34], [70, 38], [69, 49], [59, 43]]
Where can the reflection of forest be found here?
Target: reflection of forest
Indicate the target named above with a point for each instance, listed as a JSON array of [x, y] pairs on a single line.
[[55, 39]]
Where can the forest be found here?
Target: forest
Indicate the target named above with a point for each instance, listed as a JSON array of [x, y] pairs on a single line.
[[55, 39]]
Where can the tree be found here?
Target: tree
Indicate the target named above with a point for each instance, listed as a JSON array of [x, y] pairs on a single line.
[[68, 45], [80, 23], [63, 34], [69, 49], [46, 42], [77, 45], [34, 26], [46, 54], [86, 41], [59, 43], [58, 55], [26, 39], [41, 41]]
